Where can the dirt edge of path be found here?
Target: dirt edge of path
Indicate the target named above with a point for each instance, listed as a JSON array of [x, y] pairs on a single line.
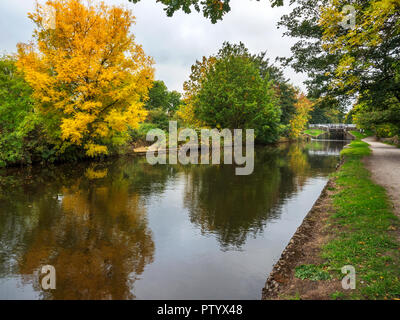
[[304, 248]]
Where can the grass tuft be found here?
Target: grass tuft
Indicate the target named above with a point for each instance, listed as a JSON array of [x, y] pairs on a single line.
[[312, 272]]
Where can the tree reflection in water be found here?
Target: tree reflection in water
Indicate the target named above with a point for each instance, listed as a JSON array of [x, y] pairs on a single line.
[[234, 207], [90, 221]]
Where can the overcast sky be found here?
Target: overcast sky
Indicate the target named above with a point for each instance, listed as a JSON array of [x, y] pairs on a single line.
[[175, 43]]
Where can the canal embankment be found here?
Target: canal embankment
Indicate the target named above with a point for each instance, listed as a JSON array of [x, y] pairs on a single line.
[[352, 223]]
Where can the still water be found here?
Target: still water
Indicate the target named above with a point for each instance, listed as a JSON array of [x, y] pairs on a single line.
[[124, 229]]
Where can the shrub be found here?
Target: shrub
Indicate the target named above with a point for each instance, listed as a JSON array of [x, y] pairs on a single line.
[[387, 130], [311, 272], [139, 135], [15, 109]]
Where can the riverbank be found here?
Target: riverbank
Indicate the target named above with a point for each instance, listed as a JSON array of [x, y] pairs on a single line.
[[352, 223], [142, 149], [314, 132]]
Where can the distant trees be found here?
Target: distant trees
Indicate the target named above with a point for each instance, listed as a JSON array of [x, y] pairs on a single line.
[[357, 64], [298, 123], [162, 104], [384, 118], [161, 98]]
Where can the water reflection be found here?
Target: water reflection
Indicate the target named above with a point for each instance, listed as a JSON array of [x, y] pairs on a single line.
[[91, 221], [233, 206], [92, 228]]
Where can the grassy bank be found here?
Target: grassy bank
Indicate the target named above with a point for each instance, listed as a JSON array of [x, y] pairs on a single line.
[[360, 135], [364, 231], [314, 132], [352, 223]]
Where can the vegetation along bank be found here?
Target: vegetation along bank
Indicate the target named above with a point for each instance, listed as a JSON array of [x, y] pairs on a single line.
[[352, 223]]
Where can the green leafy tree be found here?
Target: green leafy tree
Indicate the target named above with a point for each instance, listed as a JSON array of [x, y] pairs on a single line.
[[234, 95], [309, 57], [346, 64], [212, 9], [369, 52], [158, 96], [370, 116], [16, 114], [328, 110], [162, 104], [161, 98], [175, 100], [284, 90], [159, 118]]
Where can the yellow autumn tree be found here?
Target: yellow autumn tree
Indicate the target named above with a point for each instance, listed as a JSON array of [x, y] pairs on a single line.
[[89, 76], [298, 123], [186, 112]]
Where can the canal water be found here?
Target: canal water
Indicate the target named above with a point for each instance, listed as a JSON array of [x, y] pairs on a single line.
[[124, 229]]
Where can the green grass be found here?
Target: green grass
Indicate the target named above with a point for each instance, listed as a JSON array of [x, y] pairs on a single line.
[[312, 272], [363, 225], [314, 132], [357, 148], [360, 135], [291, 297], [337, 295]]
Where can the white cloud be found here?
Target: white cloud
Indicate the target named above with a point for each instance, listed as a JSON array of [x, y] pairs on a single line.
[[176, 43]]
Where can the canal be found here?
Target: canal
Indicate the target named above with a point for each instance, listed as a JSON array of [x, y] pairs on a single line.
[[123, 229]]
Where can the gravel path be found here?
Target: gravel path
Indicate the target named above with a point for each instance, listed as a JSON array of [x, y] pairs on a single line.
[[384, 164]]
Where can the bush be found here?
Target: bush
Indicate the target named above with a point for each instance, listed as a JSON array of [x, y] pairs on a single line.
[[15, 109], [159, 118], [139, 135], [387, 130]]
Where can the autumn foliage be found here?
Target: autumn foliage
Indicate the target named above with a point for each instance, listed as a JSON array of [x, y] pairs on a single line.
[[298, 123], [186, 113], [368, 66], [89, 77], [82, 87]]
